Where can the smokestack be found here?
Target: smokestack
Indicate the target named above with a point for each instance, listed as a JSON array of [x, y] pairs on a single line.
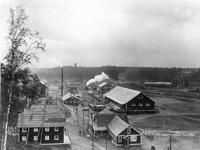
[[61, 81]]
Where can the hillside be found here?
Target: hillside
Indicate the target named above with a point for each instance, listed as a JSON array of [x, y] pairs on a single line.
[[191, 75]]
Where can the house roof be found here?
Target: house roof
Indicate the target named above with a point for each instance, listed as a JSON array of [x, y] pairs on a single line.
[[117, 125], [106, 111], [121, 95], [104, 117], [43, 81], [69, 95], [102, 84], [41, 115]]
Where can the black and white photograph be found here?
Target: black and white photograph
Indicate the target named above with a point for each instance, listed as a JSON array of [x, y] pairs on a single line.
[[100, 75]]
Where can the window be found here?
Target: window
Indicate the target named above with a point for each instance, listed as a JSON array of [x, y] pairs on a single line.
[[56, 129], [147, 104], [24, 129], [46, 129], [119, 138], [133, 104], [129, 130], [140, 96], [35, 129], [46, 137], [23, 138], [35, 138], [56, 137], [140, 104], [133, 138]]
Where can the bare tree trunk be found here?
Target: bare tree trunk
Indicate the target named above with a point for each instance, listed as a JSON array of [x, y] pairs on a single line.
[[7, 118]]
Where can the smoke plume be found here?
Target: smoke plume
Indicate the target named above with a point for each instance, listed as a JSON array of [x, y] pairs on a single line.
[[98, 78]]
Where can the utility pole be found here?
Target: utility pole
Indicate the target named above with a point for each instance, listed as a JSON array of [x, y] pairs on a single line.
[[92, 130], [170, 142], [77, 115], [83, 120], [106, 142], [61, 81]]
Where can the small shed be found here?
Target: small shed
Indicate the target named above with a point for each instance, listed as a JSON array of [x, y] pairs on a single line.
[[122, 133], [43, 87], [104, 87], [71, 99]]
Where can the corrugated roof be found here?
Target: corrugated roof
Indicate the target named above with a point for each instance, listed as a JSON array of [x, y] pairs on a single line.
[[121, 95], [117, 125], [34, 116]]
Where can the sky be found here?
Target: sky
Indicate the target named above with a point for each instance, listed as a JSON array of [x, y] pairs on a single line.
[[156, 33]]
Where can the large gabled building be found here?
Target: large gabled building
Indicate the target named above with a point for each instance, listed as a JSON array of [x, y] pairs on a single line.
[[42, 124], [122, 99]]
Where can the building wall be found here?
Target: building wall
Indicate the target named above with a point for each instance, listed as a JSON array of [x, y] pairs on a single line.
[[42, 133], [72, 101], [134, 137], [140, 102]]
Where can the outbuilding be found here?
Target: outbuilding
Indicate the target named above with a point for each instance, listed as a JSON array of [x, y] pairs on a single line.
[[104, 87], [72, 99]]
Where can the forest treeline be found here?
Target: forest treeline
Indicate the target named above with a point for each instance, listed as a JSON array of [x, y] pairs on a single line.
[[122, 73]]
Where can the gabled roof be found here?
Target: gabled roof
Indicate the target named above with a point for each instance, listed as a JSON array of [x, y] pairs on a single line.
[[67, 96], [104, 117], [43, 81], [121, 95], [106, 111], [117, 125], [102, 84]]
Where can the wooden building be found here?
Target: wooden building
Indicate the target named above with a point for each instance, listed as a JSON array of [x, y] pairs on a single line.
[[158, 84], [103, 88], [72, 99], [101, 121], [43, 87], [122, 133], [42, 124], [127, 100]]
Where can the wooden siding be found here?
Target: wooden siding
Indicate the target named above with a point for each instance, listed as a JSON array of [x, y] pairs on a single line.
[[72, 101], [125, 135], [135, 104], [30, 132]]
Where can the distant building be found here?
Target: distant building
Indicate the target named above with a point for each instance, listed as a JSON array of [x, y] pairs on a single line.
[[100, 121], [127, 100], [159, 84], [73, 87], [43, 88], [104, 87], [122, 133], [42, 124], [72, 99]]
